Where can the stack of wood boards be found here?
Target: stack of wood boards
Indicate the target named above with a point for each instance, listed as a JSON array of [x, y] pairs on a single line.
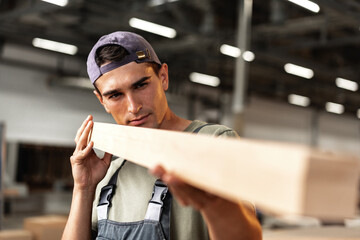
[[280, 178]]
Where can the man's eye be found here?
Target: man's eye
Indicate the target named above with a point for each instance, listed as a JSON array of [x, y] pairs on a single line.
[[115, 95], [141, 85]]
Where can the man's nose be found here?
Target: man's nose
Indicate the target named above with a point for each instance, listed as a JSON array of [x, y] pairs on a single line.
[[133, 105]]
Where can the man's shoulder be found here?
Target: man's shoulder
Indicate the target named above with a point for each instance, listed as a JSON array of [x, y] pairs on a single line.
[[211, 129]]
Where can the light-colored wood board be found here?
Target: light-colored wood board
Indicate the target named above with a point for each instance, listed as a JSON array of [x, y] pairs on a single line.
[[317, 233], [280, 178]]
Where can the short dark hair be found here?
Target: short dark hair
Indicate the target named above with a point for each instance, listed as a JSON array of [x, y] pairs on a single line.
[[110, 53]]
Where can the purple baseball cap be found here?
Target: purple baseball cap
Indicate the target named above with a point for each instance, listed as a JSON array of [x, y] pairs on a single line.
[[139, 51]]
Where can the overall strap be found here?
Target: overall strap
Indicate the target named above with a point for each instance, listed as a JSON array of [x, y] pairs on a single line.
[[106, 195], [156, 202], [159, 207]]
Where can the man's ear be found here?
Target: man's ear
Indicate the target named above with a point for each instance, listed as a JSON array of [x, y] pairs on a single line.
[[99, 97], [164, 76]]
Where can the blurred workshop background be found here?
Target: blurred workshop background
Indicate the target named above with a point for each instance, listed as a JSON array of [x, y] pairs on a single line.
[[282, 70]]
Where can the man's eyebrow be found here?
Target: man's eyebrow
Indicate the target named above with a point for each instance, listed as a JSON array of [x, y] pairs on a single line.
[[110, 92], [140, 81]]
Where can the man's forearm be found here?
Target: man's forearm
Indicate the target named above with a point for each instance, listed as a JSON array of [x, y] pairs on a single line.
[[78, 225], [231, 221]]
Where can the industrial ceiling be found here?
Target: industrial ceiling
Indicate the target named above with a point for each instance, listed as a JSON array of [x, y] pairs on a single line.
[[328, 42]]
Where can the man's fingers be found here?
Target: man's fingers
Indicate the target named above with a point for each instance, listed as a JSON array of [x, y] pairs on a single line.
[[173, 180], [184, 193], [82, 141], [189, 195], [179, 196], [81, 129], [166, 177], [107, 158], [79, 156], [87, 149], [157, 171]]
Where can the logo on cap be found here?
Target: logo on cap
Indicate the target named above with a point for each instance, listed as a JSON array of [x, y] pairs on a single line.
[[142, 55]]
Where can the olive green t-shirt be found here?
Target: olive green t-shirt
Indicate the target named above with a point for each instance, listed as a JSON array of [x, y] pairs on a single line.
[[134, 189]]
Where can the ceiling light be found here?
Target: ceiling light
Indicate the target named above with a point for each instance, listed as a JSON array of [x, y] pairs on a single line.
[[248, 56], [334, 108], [204, 79], [346, 84], [230, 50], [154, 3], [61, 3], [299, 100], [152, 27], [307, 4], [55, 46], [298, 70]]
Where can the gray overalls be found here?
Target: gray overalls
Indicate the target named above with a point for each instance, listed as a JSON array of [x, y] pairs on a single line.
[[156, 224]]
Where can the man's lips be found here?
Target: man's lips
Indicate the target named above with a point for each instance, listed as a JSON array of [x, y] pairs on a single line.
[[139, 120]]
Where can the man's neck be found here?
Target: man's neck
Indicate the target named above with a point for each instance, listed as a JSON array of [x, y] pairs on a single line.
[[173, 122]]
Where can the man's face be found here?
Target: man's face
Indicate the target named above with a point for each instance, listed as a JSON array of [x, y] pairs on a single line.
[[134, 94]]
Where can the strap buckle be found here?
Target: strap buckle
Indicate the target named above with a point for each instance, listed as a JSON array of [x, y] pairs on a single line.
[[106, 194], [156, 202], [159, 193]]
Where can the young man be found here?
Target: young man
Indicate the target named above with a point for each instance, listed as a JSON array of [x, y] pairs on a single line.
[[130, 83]]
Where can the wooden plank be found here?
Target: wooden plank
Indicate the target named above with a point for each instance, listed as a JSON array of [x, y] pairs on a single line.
[[281, 178], [314, 233]]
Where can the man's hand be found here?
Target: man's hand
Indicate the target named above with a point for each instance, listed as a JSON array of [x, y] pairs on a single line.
[[226, 220], [87, 168]]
